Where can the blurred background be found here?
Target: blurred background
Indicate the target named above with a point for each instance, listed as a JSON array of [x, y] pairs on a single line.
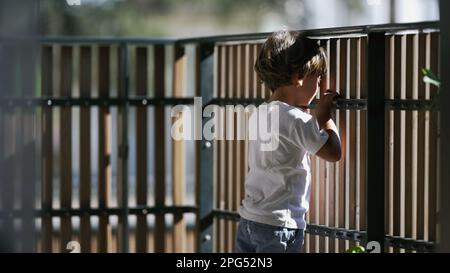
[[173, 18], [146, 19]]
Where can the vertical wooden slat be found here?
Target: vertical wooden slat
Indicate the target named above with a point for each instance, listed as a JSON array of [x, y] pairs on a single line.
[[235, 172], [351, 136], [403, 138], [85, 148], [66, 146], [240, 146], [322, 203], [141, 148], [47, 151], [312, 208], [331, 83], [104, 149], [223, 148], [341, 119], [409, 136], [317, 190], [325, 212], [397, 190], [249, 70], [321, 183], [229, 181], [218, 151], [159, 144], [256, 80], [420, 192], [415, 134], [260, 86], [178, 175]]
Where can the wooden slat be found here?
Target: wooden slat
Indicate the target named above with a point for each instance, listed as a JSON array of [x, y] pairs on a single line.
[[47, 149], [341, 119], [322, 203], [141, 147], [312, 209], [397, 190], [351, 217], [222, 149], [331, 83], [324, 181], [403, 138], [317, 190], [85, 148], [228, 148], [199, 145], [420, 192], [216, 151], [233, 170], [256, 81], [178, 170], [104, 146], [409, 132], [159, 144], [249, 71], [240, 146], [415, 134], [66, 146]]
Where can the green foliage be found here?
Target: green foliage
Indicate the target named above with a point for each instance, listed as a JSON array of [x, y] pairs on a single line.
[[431, 78], [356, 249]]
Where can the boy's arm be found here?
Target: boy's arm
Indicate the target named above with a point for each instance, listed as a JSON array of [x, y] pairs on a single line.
[[331, 151]]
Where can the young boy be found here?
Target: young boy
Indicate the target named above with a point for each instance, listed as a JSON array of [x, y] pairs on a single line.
[[278, 184]]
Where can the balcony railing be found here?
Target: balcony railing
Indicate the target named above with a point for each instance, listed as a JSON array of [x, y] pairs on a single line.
[[110, 173]]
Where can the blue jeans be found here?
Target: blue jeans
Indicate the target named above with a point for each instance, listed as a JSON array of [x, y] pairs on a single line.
[[254, 237]]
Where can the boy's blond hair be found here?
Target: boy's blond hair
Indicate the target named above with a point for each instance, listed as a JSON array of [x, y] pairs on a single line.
[[286, 54]]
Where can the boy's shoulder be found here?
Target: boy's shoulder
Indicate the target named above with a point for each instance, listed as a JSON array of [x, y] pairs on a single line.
[[290, 113]]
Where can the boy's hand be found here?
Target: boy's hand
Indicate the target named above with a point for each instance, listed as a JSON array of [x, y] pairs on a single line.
[[323, 109]]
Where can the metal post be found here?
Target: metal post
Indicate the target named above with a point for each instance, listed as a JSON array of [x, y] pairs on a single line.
[[443, 244], [123, 151], [375, 138], [205, 189]]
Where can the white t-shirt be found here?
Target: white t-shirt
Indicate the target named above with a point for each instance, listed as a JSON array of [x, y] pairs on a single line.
[[278, 185]]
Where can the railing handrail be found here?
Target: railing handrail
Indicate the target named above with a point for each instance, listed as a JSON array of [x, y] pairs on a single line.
[[335, 31]]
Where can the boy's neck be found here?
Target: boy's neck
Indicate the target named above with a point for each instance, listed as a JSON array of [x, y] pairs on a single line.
[[290, 95]]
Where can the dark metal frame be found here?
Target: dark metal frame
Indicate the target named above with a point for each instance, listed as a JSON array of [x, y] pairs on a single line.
[[376, 105], [375, 138]]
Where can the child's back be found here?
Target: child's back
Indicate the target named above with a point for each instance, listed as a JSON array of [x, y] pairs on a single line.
[[278, 185]]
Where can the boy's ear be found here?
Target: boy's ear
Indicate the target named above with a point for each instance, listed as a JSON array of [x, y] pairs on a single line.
[[297, 80]]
